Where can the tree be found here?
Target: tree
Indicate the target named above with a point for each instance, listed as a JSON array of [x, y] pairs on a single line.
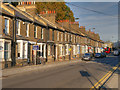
[[63, 12]]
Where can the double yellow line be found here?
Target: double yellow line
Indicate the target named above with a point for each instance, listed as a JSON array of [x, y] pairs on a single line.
[[104, 78]]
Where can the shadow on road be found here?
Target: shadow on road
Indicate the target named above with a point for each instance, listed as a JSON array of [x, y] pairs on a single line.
[[87, 75], [108, 60]]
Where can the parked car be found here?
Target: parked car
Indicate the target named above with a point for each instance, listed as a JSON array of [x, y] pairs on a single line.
[[98, 55], [116, 52], [103, 54], [87, 56]]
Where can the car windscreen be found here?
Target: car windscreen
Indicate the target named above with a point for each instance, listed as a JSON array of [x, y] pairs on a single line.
[[87, 54], [98, 54]]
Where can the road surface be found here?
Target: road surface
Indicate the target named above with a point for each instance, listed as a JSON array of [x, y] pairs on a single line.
[[83, 74]]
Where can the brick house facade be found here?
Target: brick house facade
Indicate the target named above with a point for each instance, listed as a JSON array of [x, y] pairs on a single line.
[[23, 30]]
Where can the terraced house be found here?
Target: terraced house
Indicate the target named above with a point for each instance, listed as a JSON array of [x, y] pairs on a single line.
[[27, 37]]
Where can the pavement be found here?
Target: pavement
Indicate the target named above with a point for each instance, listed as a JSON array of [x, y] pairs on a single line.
[[115, 78], [17, 70]]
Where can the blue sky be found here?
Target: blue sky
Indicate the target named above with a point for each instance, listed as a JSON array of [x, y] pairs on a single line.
[[105, 25]]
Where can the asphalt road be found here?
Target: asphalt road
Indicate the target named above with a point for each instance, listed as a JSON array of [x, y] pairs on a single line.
[[84, 74]]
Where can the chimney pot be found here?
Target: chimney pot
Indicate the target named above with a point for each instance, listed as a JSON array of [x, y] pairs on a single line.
[[52, 11], [23, 3]]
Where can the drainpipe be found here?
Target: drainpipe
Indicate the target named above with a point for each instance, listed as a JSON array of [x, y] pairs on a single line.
[[14, 43]]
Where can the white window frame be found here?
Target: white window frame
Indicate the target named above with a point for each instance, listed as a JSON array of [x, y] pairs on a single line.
[[18, 28], [57, 35], [60, 50], [67, 49], [61, 36], [74, 53], [23, 54], [65, 37], [7, 26], [49, 47], [68, 37], [27, 29], [35, 31], [71, 37], [1, 50], [9, 49], [42, 33]]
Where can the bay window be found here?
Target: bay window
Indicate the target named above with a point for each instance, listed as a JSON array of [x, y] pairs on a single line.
[[18, 49], [5, 50], [22, 49]]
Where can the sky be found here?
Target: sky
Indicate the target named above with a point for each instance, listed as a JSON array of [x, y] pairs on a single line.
[[106, 24]]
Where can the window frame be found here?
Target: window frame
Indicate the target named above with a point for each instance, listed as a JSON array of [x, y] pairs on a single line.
[[42, 33], [7, 26], [27, 29], [57, 35], [35, 31]]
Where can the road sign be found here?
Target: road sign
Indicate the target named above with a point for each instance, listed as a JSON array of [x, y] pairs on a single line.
[[70, 49], [35, 47]]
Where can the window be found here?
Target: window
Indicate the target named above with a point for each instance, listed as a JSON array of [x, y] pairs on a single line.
[[53, 35], [1, 49], [35, 31], [60, 49], [18, 27], [18, 48], [41, 33], [48, 50], [66, 48], [68, 37], [57, 35], [6, 51], [78, 49], [76, 39], [48, 34], [25, 45], [61, 36], [27, 30], [71, 38], [23, 50], [73, 49], [65, 37], [6, 26]]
